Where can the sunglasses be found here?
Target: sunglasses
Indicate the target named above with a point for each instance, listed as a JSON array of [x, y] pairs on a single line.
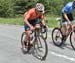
[[40, 11]]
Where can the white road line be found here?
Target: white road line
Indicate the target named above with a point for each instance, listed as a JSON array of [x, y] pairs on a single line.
[[63, 56]]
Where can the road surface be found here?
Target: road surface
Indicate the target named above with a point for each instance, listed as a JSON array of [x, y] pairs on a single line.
[[10, 48]]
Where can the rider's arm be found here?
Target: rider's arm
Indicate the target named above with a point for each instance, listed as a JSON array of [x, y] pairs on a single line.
[[26, 16], [66, 17], [43, 20], [27, 22]]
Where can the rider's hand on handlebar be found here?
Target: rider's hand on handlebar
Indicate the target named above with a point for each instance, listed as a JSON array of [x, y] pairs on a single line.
[[32, 28], [69, 23]]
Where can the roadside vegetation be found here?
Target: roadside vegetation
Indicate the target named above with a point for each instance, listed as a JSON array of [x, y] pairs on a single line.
[[11, 11], [19, 21]]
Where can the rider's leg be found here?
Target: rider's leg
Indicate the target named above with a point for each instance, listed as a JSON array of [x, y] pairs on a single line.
[[64, 28], [37, 26], [37, 23], [70, 16], [27, 33], [29, 38]]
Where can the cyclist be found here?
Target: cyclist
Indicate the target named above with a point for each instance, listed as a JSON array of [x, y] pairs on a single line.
[[32, 19], [67, 16]]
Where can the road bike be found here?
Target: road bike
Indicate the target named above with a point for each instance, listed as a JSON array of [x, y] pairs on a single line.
[[40, 48], [58, 38]]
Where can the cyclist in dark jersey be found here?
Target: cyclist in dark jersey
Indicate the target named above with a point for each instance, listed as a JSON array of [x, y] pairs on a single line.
[[67, 16]]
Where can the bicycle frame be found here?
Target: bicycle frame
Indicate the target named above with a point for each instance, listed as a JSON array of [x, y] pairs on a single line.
[[58, 40], [69, 30]]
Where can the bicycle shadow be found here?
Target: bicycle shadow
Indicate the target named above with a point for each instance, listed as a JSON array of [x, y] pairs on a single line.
[[37, 56], [63, 46], [31, 52], [68, 46]]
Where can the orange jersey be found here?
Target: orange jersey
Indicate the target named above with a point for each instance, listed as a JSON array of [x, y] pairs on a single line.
[[31, 15]]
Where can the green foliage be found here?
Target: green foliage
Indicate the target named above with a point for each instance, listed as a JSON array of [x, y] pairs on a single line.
[[16, 21], [6, 8], [11, 8], [19, 21], [22, 6]]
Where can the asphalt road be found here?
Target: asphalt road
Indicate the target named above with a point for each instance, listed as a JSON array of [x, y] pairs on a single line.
[[10, 48]]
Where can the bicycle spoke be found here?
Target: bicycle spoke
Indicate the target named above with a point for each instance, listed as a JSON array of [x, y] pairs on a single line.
[[57, 37], [41, 48]]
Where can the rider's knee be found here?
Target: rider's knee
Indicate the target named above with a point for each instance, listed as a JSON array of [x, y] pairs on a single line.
[[28, 32]]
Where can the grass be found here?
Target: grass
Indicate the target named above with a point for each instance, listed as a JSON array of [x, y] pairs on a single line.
[[52, 21], [19, 21], [15, 21]]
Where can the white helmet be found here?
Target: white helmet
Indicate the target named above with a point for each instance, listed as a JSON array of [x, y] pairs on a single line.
[[39, 7]]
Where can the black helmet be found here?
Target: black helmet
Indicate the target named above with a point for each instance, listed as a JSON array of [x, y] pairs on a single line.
[[73, 6]]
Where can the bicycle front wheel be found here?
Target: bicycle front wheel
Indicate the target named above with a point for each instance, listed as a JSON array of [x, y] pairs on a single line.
[[40, 48], [72, 39], [23, 38], [57, 37]]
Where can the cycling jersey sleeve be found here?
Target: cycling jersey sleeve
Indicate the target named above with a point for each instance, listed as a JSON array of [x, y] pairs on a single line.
[[66, 8]]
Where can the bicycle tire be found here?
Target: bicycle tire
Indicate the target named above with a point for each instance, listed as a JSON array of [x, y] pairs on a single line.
[[22, 37], [36, 48], [22, 40], [57, 43]]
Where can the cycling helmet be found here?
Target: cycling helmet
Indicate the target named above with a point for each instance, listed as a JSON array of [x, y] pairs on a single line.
[[73, 6], [40, 7]]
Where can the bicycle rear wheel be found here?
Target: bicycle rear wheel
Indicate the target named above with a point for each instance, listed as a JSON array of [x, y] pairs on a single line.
[[72, 39], [57, 37], [40, 48]]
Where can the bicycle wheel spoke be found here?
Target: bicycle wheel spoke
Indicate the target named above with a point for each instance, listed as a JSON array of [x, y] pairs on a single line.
[[57, 37], [41, 48]]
